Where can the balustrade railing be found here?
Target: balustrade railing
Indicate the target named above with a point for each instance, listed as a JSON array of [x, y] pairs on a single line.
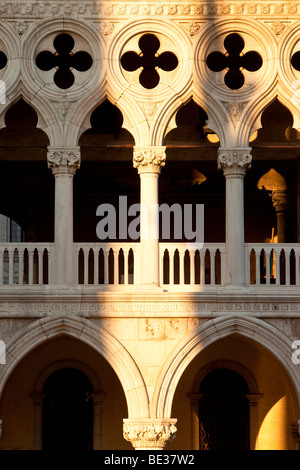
[[180, 265], [272, 264], [106, 263]]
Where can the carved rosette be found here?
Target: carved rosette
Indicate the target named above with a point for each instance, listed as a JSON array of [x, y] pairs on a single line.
[[149, 433], [234, 161], [149, 159], [63, 160]]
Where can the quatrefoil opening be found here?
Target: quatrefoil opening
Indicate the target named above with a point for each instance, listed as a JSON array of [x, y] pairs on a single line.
[[64, 60], [149, 61], [234, 61]]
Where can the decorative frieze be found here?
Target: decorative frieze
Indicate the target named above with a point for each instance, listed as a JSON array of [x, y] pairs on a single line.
[[63, 160], [147, 308], [149, 433], [96, 9]]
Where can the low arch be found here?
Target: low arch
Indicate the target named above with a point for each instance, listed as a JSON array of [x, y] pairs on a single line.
[[71, 364], [96, 337], [278, 344]]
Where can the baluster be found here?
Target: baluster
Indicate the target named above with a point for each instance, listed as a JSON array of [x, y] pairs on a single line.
[[287, 267], [212, 267], [10, 266], [202, 268], [297, 257], [126, 254], [277, 261], [117, 272], [257, 267], [171, 260], [21, 267], [181, 267], [78, 264], [267, 253], [106, 266], [30, 265], [248, 265], [40, 260], [86, 265], [136, 265], [161, 266], [1, 266], [192, 267], [223, 264]]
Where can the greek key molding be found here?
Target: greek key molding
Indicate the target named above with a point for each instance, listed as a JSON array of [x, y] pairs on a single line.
[[234, 160], [98, 9], [149, 158], [149, 433], [147, 308], [63, 160]]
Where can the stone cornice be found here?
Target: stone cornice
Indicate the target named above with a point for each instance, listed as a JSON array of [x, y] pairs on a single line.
[[119, 9], [155, 309]]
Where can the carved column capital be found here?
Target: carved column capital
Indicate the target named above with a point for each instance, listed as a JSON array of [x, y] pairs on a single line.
[[149, 159], [63, 160], [149, 433], [234, 161], [279, 200]]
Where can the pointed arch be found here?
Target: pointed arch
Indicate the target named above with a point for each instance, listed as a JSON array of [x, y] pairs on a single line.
[[257, 330], [46, 114], [85, 110], [96, 337]]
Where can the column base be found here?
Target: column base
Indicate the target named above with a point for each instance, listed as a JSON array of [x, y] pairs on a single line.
[[149, 434]]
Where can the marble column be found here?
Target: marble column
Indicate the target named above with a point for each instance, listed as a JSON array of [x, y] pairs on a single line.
[[234, 162], [63, 162], [149, 434], [148, 161]]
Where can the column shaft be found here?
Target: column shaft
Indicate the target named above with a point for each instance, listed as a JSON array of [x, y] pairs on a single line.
[[148, 161], [234, 163]]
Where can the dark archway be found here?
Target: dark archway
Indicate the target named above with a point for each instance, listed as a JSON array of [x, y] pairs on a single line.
[[224, 415], [67, 411]]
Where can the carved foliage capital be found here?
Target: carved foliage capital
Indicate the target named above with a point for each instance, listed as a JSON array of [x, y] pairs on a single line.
[[63, 160], [149, 158], [149, 433], [234, 160]]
